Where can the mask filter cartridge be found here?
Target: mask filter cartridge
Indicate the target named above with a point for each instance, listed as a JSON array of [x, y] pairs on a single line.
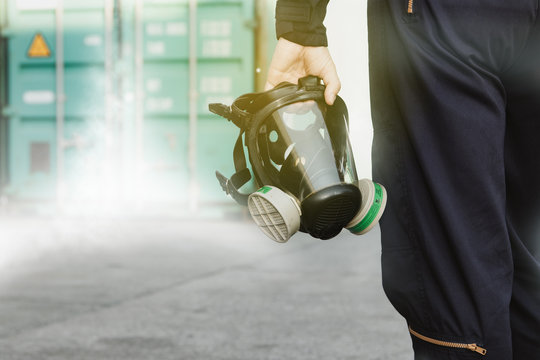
[[275, 212], [372, 207], [278, 214]]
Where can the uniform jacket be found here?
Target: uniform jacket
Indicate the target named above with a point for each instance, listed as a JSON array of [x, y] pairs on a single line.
[[301, 21]]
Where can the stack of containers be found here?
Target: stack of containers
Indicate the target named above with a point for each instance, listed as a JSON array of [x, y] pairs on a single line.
[[109, 98]]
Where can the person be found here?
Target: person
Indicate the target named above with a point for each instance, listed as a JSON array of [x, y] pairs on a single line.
[[455, 98]]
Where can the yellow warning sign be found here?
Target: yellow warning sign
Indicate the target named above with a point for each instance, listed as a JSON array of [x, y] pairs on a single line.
[[39, 48]]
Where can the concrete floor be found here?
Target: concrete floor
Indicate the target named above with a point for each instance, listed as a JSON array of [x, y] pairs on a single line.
[[198, 289]]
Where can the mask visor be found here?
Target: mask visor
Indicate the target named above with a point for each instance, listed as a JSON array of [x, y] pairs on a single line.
[[297, 148]]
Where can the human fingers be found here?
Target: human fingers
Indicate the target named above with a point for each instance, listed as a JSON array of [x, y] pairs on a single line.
[[320, 63], [333, 85]]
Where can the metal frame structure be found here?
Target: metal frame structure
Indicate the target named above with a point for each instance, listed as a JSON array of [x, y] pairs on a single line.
[[60, 100], [139, 97], [3, 100], [110, 98], [193, 97]]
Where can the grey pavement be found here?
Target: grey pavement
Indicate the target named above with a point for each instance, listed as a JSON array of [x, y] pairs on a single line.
[[87, 288]]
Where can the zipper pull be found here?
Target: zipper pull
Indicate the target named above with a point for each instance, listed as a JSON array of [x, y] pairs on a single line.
[[476, 348], [410, 7]]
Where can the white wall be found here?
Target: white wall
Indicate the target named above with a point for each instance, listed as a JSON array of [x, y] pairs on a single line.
[[347, 41]]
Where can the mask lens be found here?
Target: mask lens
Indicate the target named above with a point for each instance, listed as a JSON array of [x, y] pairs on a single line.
[[309, 151], [304, 147]]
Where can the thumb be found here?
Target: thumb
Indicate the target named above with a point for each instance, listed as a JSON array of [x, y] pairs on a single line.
[[331, 80], [332, 88]]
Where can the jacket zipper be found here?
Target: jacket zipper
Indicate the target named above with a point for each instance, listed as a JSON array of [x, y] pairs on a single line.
[[471, 347], [410, 7]]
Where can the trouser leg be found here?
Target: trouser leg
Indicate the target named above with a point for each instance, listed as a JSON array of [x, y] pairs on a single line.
[[522, 160], [439, 117]]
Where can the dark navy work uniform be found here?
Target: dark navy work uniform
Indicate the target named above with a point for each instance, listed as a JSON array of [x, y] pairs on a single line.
[[455, 93]]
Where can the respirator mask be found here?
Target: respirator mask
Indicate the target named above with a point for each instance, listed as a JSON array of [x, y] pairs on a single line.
[[302, 162]]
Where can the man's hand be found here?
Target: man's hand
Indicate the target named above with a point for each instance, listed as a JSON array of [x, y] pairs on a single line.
[[292, 61]]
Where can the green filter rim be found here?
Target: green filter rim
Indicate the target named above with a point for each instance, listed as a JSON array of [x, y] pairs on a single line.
[[372, 213]]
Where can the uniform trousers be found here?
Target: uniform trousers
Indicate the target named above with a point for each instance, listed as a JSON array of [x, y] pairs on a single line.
[[455, 96]]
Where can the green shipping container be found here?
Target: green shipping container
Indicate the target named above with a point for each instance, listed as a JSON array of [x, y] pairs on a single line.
[[99, 98], [41, 98], [225, 69]]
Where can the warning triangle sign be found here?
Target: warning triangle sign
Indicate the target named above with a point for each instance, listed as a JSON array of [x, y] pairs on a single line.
[[38, 47]]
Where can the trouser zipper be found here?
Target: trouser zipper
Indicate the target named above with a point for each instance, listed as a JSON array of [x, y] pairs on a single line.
[[410, 7], [472, 347]]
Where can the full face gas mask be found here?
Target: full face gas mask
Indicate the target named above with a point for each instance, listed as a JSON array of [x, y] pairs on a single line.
[[301, 158]]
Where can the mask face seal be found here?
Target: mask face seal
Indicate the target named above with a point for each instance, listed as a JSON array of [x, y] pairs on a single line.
[[300, 154]]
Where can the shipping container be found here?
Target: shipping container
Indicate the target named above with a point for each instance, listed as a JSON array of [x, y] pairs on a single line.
[[223, 64], [110, 98], [57, 97]]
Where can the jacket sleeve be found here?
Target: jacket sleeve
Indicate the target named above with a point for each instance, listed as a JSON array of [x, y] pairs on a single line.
[[301, 21]]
